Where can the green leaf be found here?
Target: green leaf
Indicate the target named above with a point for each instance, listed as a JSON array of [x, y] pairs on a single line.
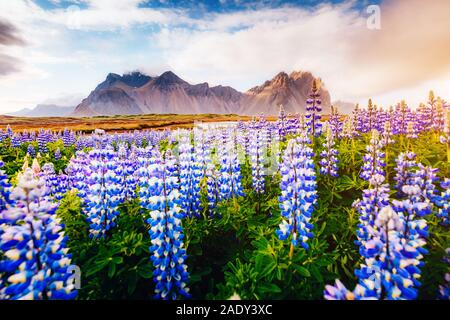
[[264, 265], [111, 270], [269, 288], [316, 273], [302, 271]]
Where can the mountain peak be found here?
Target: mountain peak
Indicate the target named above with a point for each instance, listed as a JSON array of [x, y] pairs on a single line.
[[168, 78]]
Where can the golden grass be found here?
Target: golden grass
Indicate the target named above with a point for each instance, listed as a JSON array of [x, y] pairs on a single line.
[[117, 123]]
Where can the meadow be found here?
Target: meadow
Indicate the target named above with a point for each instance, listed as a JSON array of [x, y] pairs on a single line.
[[301, 207]]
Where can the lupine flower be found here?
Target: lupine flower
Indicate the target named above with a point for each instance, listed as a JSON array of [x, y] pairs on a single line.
[[328, 162], [16, 140], [298, 194], [57, 184], [127, 162], [162, 199], [386, 136], [42, 140], [35, 261], [426, 178], [404, 176], [190, 175], [373, 199], [392, 263], [31, 151], [401, 117], [335, 122], [230, 185], [256, 153], [57, 154], [105, 191], [282, 130], [373, 159], [5, 188], [411, 132], [313, 109], [442, 201]]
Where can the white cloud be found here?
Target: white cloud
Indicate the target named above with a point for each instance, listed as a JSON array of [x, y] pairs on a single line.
[[241, 49]]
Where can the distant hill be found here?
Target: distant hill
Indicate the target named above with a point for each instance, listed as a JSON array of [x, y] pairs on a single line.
[[44, 110], [137, 93]]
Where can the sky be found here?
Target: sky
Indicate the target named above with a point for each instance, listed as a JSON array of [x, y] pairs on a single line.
[[56, 51]]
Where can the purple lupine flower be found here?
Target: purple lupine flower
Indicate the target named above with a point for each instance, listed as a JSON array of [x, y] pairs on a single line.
[[190, 175], [162, 198], [404, 176], [5, 188], [35, 260], [313, 109], [298, 194], [442, 202], [57, 154], [335, 122], [230, 185], [329, 160], [31, 151], [104, 192], [256, 154], [391, 262], [373, 159]]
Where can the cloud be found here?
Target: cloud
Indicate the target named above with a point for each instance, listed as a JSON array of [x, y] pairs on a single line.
[[332, 41], [241, 48], [9, 36], [8, 64]]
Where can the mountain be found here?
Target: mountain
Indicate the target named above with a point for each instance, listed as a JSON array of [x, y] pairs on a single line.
[[291, 91], [137, 93], [45, 110]]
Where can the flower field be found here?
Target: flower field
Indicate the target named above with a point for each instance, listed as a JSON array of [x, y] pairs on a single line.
[[347, 207]]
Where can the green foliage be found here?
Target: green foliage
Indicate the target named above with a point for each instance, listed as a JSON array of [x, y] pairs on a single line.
[[237, 251]]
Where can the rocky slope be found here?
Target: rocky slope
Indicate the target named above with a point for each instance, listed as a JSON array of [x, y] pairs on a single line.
[[137, 93]]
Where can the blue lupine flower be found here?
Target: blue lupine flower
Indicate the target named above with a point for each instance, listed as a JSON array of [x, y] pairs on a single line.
[[31, 151], [373, 159], [163, 200], [392, 262], [57, 184], [35, 259], [281, 123], [298, 194], [404, 176], [190, 176], [128, 163], [5, 188], [229, 182], [442, 202], [335, 123], [373, 199], [104, 192], [313, 109], [16, 140], [386, 136], [329, 161], [57, 154], [42, 140], [256, 154]]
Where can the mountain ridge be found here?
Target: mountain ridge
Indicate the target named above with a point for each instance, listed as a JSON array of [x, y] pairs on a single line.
[[138, 93]]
